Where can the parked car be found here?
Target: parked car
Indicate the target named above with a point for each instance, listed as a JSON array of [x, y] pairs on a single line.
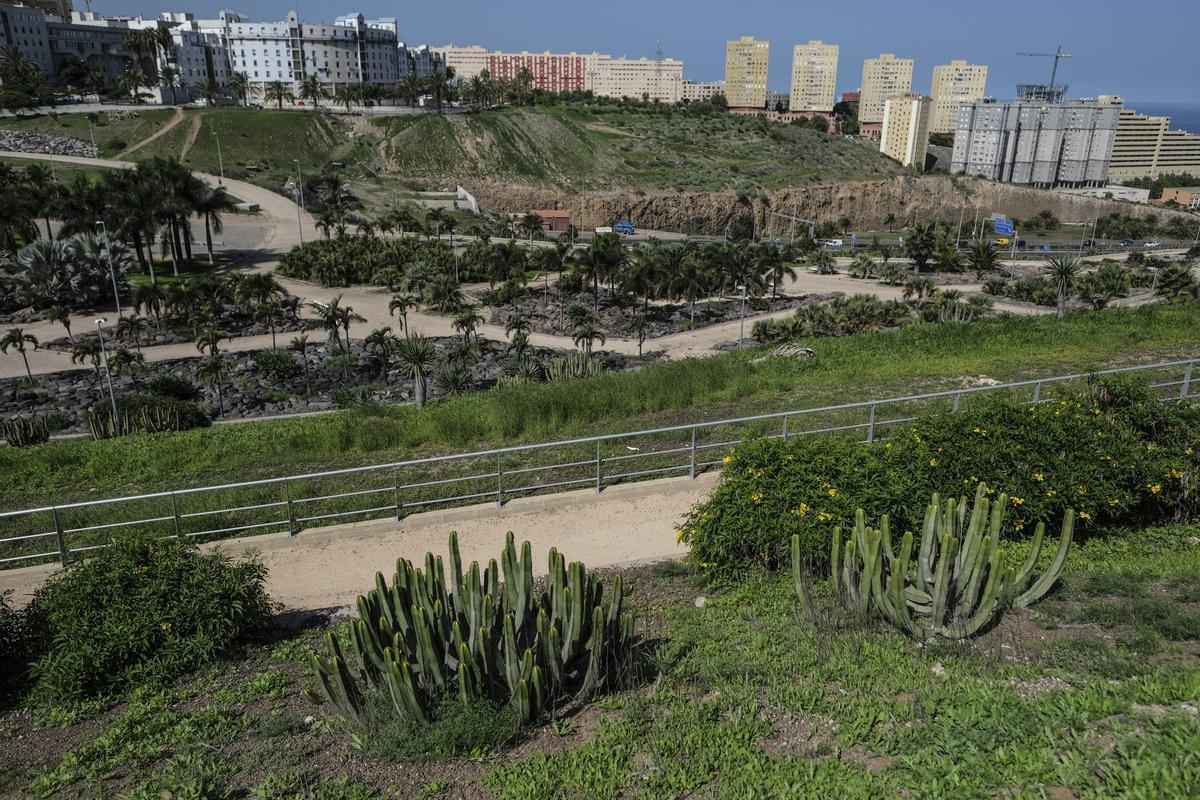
[[1125, 243], [832, 242], [624, 227], [1152, 244]]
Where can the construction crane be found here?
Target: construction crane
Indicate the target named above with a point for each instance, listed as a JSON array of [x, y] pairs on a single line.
[[1057, 55]]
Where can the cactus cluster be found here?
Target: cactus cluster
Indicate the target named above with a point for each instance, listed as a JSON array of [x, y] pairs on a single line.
[[25, 431], [423, 638], [959, 580], [148, 419]]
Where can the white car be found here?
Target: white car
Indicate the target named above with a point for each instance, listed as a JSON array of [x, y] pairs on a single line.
[[1152, 244], [833, 243]]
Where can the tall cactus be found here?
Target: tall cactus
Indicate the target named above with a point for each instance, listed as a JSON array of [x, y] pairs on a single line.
[[421, 638], [959, 580]]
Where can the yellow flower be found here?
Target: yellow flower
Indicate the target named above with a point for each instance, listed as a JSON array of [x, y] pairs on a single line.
[[1187, 451], [801, 509], [1082, 490], [727, 460], [679, 536], [887, 446], [1112, 501], [1084, 515], [1020, 526], [974, 479], [823, 517], [979, 430], [756, 497], [1050, 493], [933, 462], [166, 626], [789, 457], [832, 492], [1039, 477], [1095, 411], [1018, 501], [1176, 474], [1155, 488]]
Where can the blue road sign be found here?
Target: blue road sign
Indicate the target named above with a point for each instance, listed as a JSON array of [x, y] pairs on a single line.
[[1003, 226], [1045, 248]]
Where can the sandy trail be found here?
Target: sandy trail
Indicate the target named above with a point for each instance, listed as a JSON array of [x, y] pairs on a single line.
[[329, 567]]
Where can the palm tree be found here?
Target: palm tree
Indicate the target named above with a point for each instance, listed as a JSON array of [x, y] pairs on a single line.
[[210, 202], [379, 344], [312, 91], [531, 225], [824, 261], [299, 344], [983, 258], [411, 87], [125, 360], [440, 86], [214, 370], [131, 82], [208, 89], [640, 327], [276, 92], [132, 327], [434, 217], [689, 282], [168, 78], [774, 268], [87, 350], [209, 340], [239, 84], [1063, 271], [18, 338], [417, 357], [863, 266], [150, 298], [399, 306], [63, 317], [587, 334], [467, 322], [920, 244]]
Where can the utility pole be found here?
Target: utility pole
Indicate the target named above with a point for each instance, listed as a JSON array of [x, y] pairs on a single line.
[[112, 398]]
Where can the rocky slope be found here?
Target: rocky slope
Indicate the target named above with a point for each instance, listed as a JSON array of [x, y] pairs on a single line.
[[866, 203]]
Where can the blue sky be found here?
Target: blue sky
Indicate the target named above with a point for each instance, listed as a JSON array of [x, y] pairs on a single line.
[[1142, 50]]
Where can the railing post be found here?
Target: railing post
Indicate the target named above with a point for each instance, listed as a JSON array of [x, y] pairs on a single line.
[[957, 402], [293, 526], [692, 474], [63, 555], [871, 426], [598, 467], [1185, 390], [175, 517], [499, 481], [399, 504], [1037, 392], [785, 432]]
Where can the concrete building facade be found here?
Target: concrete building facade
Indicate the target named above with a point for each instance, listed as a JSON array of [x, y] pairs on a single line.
[[953, 85], [882, 78], [693, 92], [814, 76], [746, 62], [647, 79], [1066, 145], [1147, 147], [904, 135], [1188, 197]]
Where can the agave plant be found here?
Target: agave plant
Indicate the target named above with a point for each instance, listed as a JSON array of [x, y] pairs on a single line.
[[960, 581], [474, 637]]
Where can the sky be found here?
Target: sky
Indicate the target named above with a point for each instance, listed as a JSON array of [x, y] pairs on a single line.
[[1140, 50]]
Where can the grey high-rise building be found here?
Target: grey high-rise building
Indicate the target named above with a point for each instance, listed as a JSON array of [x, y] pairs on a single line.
[[1044, 145]]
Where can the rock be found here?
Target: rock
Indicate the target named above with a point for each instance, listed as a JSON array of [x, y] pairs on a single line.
[[51, 144], [701, 601], [938, 669]]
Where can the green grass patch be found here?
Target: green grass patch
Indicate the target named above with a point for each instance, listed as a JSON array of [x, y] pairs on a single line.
[[108, 131]]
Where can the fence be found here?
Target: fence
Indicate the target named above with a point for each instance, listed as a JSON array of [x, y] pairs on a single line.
[[292, 503]]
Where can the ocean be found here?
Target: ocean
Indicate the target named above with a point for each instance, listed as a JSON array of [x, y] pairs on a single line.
[[1183, 115]]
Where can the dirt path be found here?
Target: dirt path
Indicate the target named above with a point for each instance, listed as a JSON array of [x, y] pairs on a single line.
[[171, 123], [191, 138], [330, 567]]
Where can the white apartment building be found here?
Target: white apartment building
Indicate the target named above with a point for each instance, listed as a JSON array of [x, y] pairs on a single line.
[[350, 50], [904, 135], [421, 59], [693, 92], [882, 78], [953, 85], [638, 79], [814, 77], [1045, 145]]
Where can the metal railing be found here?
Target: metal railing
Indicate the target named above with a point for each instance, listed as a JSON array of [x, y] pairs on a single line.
[[292, 503]]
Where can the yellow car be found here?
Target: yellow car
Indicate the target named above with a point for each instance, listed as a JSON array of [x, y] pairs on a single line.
[[1003, 241]]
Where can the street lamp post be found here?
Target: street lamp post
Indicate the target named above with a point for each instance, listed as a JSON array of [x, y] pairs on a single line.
[[300, 195], [112, 273], [742, 324], [112, 398], [220, 160], [1153, 282]]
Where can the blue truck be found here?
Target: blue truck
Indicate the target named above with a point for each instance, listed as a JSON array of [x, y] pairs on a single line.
[[624, 227]]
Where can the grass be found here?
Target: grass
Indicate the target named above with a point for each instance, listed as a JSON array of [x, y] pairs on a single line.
[[749, 701], [918, 358], [607, 146], [108, 131]]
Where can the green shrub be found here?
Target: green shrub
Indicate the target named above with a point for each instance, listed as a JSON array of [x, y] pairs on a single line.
[[174, 386], [1111, 452], [476, 728], [278, 366], [18, 644], [142, 610]]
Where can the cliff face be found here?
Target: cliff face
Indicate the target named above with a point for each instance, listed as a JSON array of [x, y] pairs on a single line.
[[867, 204]]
